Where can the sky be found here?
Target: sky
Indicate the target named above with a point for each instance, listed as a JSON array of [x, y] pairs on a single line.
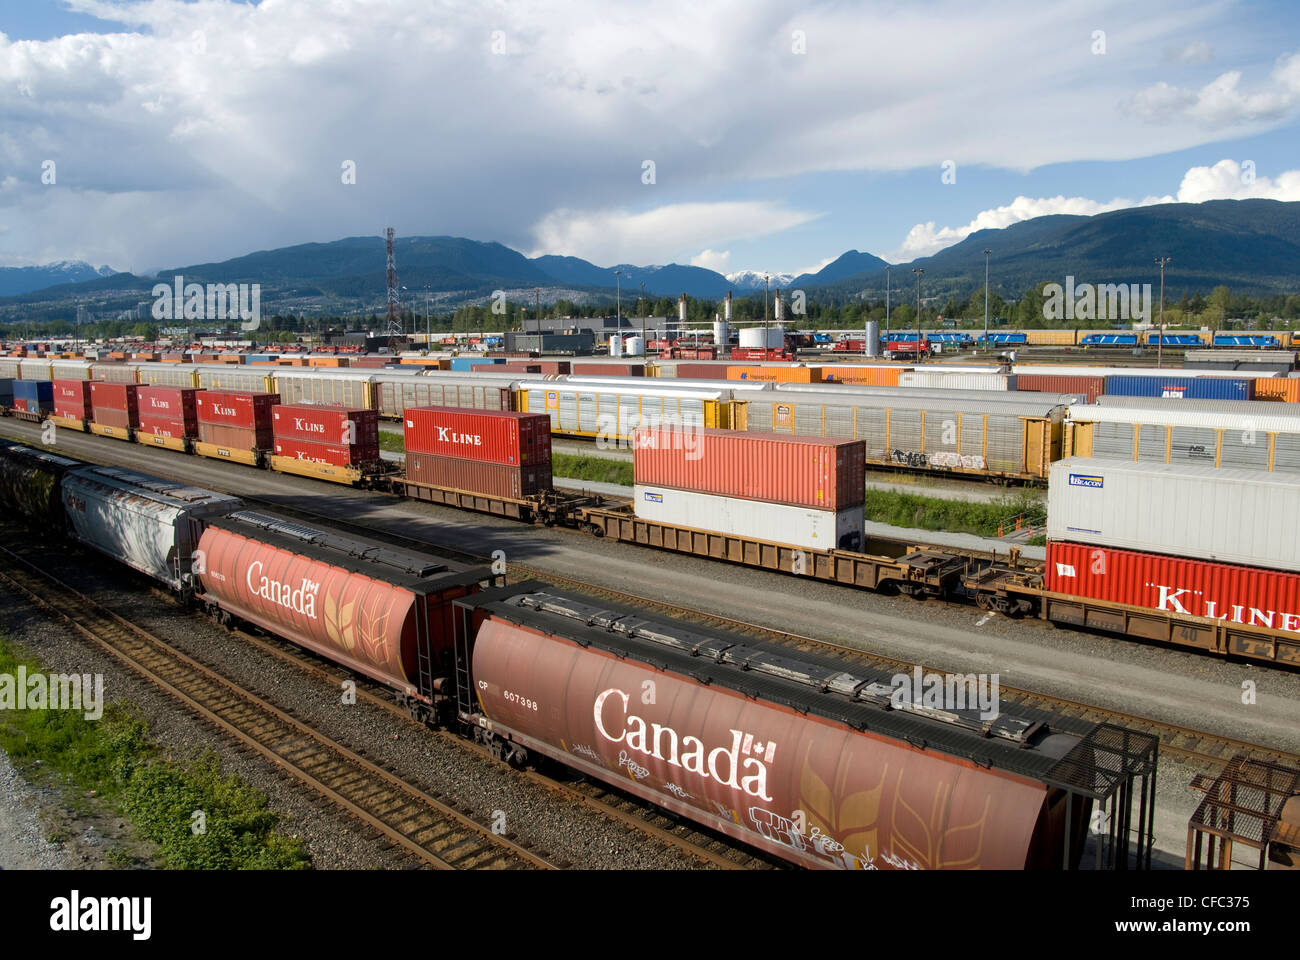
[[736, 134]]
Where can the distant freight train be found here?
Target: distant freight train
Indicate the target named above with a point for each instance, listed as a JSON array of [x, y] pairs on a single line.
[[785, 751]]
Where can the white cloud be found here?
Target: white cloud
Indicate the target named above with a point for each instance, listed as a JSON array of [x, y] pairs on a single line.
[[618, 236], [925, 239], [1222, 102], [1197, 52], [1226, 180], [718, 260], [1230, 180], [814, 268]]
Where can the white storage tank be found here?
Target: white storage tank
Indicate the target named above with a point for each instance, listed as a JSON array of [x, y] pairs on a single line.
[[1202, 512], [634, 346], [751, 338], [615, 345]]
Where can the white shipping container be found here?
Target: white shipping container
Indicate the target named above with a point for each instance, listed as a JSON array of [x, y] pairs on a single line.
[[757, 519], [1246, 517], [147, 523], [943, 380]]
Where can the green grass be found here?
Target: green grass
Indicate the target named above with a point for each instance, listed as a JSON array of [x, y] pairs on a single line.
[[596, 469], [392, 442], [954, 516], [114, 757]]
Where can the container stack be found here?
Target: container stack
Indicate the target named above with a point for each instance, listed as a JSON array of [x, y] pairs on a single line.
[[235, 424], [34, 397], [168, 416], [802, 491], [114, 409], [499, 453], [329, 434], [72, 402], [1185, 539]]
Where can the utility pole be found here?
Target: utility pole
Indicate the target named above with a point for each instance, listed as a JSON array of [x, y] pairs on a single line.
[[641, 310], [887, 302], [1160, 347], [538, 293], [918, 271], [986, 297], [618, 301], [767, 284]]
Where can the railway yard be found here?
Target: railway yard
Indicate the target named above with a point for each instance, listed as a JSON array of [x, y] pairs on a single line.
[[772, 604]]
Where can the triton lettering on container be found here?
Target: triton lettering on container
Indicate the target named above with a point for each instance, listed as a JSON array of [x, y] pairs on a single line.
[[147, 523], [1247, 596], [505, 437], [1182, 388], [823, 473], [778, 749], [328, 423], [1227, 516], [373, 608], [235, 425], [797, 526], [476, 476]]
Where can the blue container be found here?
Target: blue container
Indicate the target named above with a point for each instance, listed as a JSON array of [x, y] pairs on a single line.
[[1183, 388], [34, 396], [468, 363]]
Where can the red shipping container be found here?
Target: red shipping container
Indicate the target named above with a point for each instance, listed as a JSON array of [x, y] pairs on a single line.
[[245, 409], [321, 451], [824, 473], [558, 367], [167, 427], [169, 403], [586, 369], [72, 399], [702, 370], [110, 417], [476, 476], [115, 396], [248, 414], [1090, 387], [485, 436], [519, 366], [1251, 596], [235, 438], [326, 423]]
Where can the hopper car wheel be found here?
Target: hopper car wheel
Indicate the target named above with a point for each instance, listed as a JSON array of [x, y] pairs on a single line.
[[595, 530]]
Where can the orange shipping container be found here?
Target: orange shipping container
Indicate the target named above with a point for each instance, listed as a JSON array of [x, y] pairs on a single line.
[[777, 374], [1278, 388], [871, 375]]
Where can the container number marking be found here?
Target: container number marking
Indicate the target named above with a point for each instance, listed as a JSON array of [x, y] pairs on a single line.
[[521, 701]]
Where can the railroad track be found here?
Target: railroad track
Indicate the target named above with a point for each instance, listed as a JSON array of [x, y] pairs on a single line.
[[1175, 741], [408, 819]]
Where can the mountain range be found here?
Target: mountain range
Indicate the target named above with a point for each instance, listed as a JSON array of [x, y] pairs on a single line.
[[1253, 246]]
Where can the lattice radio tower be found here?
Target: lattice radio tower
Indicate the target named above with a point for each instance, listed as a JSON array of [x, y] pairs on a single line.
[[394, 307]]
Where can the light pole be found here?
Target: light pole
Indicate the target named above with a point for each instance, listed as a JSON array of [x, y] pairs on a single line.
[[641, 310], [918, 271], [618, 300], [428, 330], [986, 297], [1160, 347], [403, 318], [767, 287], [537, 292], [887, 303]]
